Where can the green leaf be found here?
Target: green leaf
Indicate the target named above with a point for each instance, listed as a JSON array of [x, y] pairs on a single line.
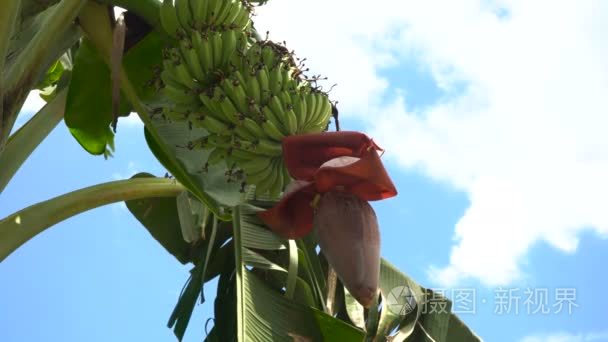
[[160, 217], [419, 314], [89, 105], [23, 142], [334, 329], [209, 184], [88, 110], [264, 314], [458, 331], [224, 329], [180, 317], [19, 227]]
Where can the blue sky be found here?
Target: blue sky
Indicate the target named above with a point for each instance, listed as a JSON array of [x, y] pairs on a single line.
[[494, 129]]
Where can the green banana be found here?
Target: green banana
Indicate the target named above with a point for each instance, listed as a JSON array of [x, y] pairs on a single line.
[[252, 127], [267, 147], [199, 13], [243, 133], [191, 57], [213, 125], [276, 187], [225, 12], [268, 56], [203, 50], [237, 96], [298, 108], [264, 185], [276, 79], [217, 155], [323, 111], [229, 44], [215, 7], [311, 106], [236, 11], [291, 121], [216, 43], [258, 177], [270, 115], [272, 131], [169, 79], [184, 16], [221, 141], [254, 164], [168, 18], [210, 103], [179, 95], [286, 175], [242, 20], [253, 89], [244, 156], [264, 81], [181, 72], [228, 110]]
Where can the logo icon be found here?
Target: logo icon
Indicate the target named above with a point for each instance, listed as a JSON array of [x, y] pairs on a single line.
[[401, 300]]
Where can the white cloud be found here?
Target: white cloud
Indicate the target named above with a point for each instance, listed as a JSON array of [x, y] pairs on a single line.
[[525, 137], [567, 337], [132, 169], [33, 103], [132, 120]]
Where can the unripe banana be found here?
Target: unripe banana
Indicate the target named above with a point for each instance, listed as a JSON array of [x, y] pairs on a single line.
[[225, 12], [216, 43], [250, 125], [273, 117], [217, 155], [213, 125], [216, 7], [191, 57], [253, 89], [254, 164], [275, 79], [267, 147], [168, 18], [243, 133], [228, 110], [183, 13], [265, 172], [291, 121], [311, 106], [221, 141], [276, 188], [272, 131], [264, 81], [298, 108], [199, 13], [229, 44], [323, 112], [203, 50], [236, 94]]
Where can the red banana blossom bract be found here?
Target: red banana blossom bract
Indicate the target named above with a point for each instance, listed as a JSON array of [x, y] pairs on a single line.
[[308, 158]]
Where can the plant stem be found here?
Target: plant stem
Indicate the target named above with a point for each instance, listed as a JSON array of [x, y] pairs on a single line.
[[23, 74], [9, 12], [238, 259], [23, 142], [18, 228]]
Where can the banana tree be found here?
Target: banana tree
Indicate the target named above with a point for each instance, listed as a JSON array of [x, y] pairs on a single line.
[[260, 182]]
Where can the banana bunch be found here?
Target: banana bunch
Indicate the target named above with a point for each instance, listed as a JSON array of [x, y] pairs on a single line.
[[248, 95], [177, 16]]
